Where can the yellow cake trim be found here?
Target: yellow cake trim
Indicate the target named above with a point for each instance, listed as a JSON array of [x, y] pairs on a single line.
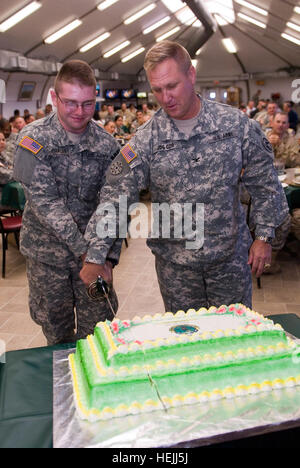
[[185, 361], [95, 354], [109, 337], [135, 407]]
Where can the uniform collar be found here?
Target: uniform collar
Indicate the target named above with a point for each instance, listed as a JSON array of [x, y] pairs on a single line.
[[206, 123], [63, 138]]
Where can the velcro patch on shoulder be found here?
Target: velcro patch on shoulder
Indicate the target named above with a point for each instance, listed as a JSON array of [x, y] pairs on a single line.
[[267, 145], [31, 145], [117, 170], [128, 154]]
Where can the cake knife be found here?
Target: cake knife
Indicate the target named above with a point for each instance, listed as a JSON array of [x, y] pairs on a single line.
[[98, 289]]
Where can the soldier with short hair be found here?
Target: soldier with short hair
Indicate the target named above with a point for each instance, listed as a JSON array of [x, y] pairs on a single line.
[[61, 162], [192, 153], [285, 146]]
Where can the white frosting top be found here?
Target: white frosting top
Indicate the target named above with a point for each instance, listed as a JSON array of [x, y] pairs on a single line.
[[163, 330]]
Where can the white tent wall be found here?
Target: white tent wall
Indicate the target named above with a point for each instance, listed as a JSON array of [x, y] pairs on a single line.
[[14, 83], [283, 86]]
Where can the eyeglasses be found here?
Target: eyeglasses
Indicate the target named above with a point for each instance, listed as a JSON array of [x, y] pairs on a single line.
[[73, 105]]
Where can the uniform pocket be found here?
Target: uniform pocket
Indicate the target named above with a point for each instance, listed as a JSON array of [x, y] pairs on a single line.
[[91, 179]]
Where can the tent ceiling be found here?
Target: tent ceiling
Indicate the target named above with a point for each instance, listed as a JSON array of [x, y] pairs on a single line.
[[259, 50]]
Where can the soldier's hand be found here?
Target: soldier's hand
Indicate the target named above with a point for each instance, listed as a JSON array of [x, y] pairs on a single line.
[[274, 139], [90, 272], [260, 254]]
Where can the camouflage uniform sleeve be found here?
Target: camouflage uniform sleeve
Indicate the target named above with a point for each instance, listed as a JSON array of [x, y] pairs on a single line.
[[36, 176], [6, 174], [268, 201], [126, 177]]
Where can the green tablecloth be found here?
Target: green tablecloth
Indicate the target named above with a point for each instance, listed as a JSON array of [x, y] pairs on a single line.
[[293, 197], [13, 196], [26, 398], [26, 393]]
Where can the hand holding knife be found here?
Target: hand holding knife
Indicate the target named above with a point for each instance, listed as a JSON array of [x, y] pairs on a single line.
[[98, 289], [97, 279]]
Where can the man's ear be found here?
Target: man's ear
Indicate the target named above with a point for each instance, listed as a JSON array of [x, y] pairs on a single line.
[[53, 97], [192, 74]]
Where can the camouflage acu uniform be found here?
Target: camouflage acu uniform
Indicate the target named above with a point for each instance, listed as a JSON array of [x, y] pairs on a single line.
[[6, 174], [287, 149], [62, 181], [11, 145], [204, 167], [6, 170]]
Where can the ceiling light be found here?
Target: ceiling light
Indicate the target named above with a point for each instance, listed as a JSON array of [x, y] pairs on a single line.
[[186, 16], [194, 63], [168, 34], [63, 31], [221, 21], [252, 7], [134, 54], [222, 8], [116, 49], [294, 26], [140, 13], [95, 42], [229, 45], [156, 25], [291, 38], [173, 5], [199, 51], [297, 10], [252, 20], [19, 16], [106, 4]]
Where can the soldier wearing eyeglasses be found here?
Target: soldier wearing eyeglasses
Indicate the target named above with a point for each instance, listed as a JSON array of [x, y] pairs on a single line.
[[61, 162]]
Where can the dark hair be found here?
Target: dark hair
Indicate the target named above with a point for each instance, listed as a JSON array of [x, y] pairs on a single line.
[[75, 72], [108, 121]]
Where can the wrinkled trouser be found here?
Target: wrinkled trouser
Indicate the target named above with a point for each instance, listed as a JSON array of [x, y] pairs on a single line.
[[58, 302], [227, 282]]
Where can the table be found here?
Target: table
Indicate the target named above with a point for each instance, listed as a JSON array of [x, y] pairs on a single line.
[[13, 196], [292, 193], [26, 396]]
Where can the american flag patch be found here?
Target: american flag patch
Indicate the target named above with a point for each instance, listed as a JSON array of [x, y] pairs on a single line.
[[128, 153], [30, 144]]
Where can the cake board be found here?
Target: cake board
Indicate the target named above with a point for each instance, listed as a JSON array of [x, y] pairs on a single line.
[[186, 426]]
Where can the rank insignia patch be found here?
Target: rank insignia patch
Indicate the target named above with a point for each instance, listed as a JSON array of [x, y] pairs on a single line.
[[267, 145], [128, 153], [30, 144]]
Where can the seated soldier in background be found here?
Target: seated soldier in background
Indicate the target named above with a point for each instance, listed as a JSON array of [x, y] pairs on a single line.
[[265, 119], [292, 115], [285, 146], [110, 126], [140, 120], [6, 168], [10, 139]]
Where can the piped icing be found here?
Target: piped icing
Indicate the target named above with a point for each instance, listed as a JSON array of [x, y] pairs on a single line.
[[192, 357]]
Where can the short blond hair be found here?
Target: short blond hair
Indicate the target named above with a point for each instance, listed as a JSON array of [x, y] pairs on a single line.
[[165, 50]]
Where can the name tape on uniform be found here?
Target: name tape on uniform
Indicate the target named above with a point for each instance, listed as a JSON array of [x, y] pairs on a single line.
[[128, 153], [31, 145]]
